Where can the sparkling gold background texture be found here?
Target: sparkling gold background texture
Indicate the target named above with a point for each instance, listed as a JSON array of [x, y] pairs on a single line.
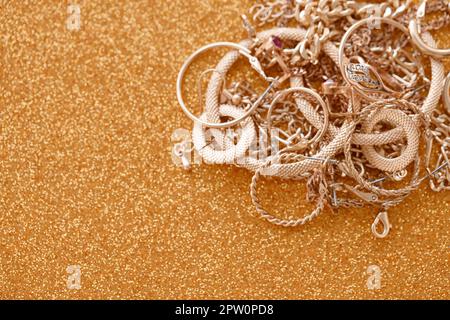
[[87, 177]]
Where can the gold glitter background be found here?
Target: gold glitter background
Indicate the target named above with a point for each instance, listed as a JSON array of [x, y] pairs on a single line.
[[86, 175]]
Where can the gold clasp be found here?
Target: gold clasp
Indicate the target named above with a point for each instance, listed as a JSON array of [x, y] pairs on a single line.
[[384, 220]]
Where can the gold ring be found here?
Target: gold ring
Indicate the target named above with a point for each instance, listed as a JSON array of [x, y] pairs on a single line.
[[357, 74]]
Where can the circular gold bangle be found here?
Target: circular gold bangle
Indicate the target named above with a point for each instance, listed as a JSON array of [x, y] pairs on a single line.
[[253, 62], [352, 72], [414, 30], [446, 93]]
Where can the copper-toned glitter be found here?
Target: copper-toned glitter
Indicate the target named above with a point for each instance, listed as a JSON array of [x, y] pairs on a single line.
[[87, 178]]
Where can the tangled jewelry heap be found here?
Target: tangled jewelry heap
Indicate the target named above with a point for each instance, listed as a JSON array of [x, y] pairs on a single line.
[[349, 100]]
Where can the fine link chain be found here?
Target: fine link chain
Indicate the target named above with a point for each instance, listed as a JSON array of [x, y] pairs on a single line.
[[359, 106]]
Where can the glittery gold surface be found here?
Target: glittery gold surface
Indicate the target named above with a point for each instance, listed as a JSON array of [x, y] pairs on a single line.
[[86, 175]]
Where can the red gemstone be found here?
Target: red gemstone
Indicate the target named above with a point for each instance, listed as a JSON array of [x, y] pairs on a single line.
[[277, 42]]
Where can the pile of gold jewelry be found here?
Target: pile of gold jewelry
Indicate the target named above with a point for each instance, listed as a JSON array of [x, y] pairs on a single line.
[[352, 103]]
